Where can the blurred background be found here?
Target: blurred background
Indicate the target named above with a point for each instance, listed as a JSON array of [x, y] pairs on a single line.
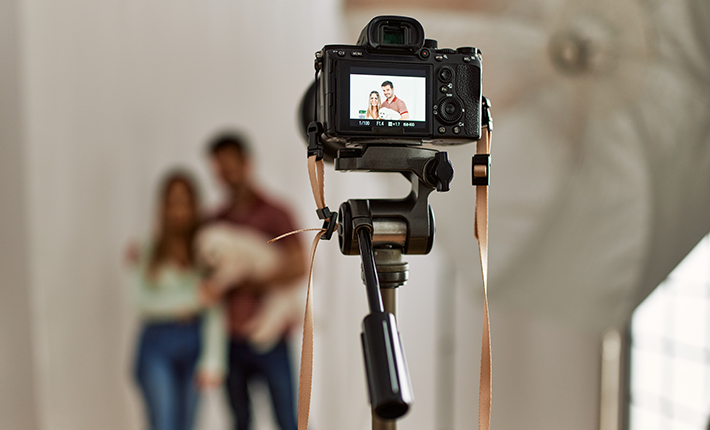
[[600, 188]]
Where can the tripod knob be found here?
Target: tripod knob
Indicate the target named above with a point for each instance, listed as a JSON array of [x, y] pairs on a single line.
[[440, 172]]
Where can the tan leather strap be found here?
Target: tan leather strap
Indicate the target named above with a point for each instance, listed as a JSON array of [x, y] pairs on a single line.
[[305, 381], [485, 389], [316, 173]]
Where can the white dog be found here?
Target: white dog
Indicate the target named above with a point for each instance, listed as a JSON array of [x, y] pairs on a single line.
[[234, 254], [387, 113], [237, 254]]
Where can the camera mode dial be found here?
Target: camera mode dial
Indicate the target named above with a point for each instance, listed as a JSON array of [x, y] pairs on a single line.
[[468, 50]]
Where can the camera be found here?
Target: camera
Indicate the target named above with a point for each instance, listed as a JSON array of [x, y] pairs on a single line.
[[396, 87]]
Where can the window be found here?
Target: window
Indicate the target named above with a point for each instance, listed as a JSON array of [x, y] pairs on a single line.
[[670, 350]]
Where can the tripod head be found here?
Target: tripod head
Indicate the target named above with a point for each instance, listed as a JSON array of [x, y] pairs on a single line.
[[406, 224]]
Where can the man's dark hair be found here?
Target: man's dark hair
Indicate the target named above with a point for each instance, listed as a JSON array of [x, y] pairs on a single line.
[[229, 140], [385, 83]]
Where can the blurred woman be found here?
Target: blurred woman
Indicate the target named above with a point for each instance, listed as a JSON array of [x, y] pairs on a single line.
[[182, 339], [373, 107]]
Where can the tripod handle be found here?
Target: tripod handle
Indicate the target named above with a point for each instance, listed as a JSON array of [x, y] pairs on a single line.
[[386, 367], [387, 374], [369, 269]]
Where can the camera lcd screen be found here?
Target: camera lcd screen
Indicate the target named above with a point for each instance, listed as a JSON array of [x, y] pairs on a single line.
[[387, 100]]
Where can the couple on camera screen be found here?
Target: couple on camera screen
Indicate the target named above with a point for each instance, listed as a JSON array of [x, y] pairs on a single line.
[[392, 108]]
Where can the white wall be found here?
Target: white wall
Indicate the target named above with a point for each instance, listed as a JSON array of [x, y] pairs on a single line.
[[115, 92], [18, 406]]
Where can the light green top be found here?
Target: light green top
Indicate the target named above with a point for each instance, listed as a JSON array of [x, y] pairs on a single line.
[[173, 294]]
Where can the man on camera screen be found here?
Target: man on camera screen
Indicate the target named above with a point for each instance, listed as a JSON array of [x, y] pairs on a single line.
[[392, 102]]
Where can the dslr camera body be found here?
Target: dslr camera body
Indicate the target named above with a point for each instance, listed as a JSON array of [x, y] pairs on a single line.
[[397, 87]]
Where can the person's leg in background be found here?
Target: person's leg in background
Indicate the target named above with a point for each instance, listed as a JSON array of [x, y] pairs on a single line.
[[187, 342], [275, 365], [156, 380], [139, 373], [238, 375]]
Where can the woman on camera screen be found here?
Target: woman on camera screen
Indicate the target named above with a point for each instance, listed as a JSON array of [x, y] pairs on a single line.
[[373, 107]]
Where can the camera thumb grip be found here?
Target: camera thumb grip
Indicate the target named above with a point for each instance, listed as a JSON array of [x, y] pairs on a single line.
[[386, 367]]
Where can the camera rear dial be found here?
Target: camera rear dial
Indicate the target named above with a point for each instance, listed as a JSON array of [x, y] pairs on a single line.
[[449, 110]]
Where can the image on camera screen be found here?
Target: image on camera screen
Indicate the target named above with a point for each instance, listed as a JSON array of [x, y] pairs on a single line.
[[386, 97]]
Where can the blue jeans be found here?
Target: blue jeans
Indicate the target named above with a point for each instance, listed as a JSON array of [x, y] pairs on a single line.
[[275, 367], [165, 371]]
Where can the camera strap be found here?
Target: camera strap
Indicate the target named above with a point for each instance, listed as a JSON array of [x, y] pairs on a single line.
[[481, 171], [305, 380], [316, 173]]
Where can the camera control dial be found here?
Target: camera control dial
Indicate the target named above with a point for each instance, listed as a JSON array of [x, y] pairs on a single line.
[[449, 110]]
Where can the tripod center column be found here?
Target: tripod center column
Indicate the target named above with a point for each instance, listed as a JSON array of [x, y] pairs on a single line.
[[393, 273]]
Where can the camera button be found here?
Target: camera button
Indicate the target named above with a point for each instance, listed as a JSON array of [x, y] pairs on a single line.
[[341, 53], [424, 54], [442, 129], [457, 130], [466, 59], [445, 74], [444, 89], [441, 57], [356, 54]]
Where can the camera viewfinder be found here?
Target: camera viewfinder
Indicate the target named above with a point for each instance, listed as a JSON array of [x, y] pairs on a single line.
[[392, 35]]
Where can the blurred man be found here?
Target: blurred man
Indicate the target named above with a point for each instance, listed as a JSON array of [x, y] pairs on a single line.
[[246, 206]]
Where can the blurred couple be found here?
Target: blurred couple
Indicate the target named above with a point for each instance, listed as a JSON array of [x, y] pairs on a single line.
[[216, 301], [392, 108]]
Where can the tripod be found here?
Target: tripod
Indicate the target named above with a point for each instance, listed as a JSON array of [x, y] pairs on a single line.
[[381, 231]]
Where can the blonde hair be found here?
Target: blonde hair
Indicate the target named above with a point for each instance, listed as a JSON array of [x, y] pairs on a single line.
[[160, 252], [370, 108]]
